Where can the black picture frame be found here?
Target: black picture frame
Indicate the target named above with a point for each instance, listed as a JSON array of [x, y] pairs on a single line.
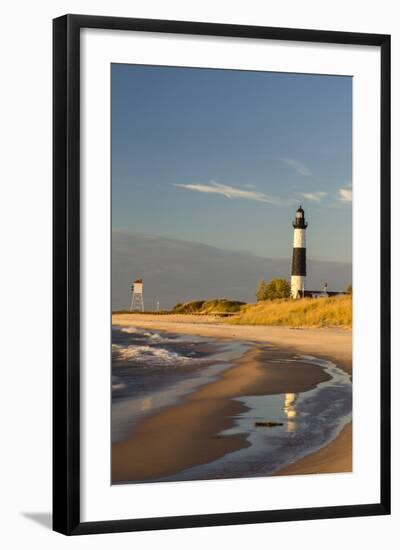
[[66, 271]]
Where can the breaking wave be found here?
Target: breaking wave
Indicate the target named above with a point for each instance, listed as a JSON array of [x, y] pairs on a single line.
[[128, 330], [152, 336], [147, 355]]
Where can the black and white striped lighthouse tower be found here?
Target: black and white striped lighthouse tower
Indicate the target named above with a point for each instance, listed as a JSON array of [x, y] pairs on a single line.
[[299, 254]]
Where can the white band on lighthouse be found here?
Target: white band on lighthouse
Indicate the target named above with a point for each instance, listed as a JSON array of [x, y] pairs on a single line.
[[297, 285], [299, 238]]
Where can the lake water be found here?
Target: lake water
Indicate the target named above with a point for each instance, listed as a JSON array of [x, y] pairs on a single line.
[[152, 370]]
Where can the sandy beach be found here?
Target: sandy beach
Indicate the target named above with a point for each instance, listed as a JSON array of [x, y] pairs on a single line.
[[153, 450]]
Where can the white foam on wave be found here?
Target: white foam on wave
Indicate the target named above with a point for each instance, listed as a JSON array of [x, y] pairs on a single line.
[[153, 336], [156, 337], [129, 330], [148, 355]]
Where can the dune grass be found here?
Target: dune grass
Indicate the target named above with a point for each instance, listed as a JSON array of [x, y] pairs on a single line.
[[209, 307], [307, 312]]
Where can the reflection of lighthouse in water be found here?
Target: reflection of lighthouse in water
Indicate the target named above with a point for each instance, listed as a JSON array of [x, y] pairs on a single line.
[[290, 410]]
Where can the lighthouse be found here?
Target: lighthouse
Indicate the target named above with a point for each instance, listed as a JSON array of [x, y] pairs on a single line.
[[299, 254]]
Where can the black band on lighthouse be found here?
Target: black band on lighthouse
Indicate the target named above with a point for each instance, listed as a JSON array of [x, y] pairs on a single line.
[[299, 262]]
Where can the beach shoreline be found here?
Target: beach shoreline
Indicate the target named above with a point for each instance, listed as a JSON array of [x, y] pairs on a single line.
[[205, 412], [328, 343]]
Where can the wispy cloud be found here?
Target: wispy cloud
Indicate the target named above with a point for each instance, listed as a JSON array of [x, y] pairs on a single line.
[[316, 197], [346, 194], [228, 191], [299, 167]]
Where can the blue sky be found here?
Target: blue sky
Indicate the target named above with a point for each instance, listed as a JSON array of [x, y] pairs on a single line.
[[225, 157]]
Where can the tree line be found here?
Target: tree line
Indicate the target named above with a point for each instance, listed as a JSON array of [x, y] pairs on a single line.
[[273, 290], [278, 289]]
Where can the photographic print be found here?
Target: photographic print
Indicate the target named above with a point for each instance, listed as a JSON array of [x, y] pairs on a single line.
[[231, 274], [219, 193]]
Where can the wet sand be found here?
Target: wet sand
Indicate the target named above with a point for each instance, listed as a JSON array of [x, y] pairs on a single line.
[[335, 457], [153, 450]]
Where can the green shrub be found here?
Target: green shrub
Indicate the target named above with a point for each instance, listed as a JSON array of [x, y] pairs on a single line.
[[274, 290]]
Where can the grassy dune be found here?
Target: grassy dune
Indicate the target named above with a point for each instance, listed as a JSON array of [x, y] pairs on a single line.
[[321, 312], [209, 307]]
